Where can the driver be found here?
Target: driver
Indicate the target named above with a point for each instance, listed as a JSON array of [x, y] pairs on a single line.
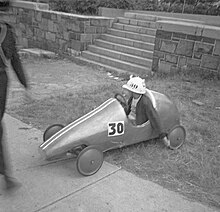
[[140, 107]]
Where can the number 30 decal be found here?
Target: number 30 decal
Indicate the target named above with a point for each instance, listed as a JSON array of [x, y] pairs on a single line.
[[115, 128]]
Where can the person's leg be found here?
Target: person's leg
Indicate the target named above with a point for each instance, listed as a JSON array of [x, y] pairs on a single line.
[[4, 169], [3, 93], [2, 161]]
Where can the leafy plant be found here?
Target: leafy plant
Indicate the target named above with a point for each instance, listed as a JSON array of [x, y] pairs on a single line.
[[90, 7]]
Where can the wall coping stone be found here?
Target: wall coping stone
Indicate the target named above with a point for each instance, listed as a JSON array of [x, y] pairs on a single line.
[[158, 17], [30, 5], [44, 6], [189, 28]]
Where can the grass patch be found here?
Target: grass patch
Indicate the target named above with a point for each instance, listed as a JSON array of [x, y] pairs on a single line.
[[193, 170]]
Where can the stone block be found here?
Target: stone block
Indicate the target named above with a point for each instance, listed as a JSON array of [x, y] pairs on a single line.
[[194, 37], [61, 27], [197, 55], [29, 32], [193, 62], [38, 33], [180, 27], [90, 29], [217, 48], [171, 58], [66, 35], [74, 36], [54, 16], [50, 36], [176, 39], [55, 28], [12, 19], [182, 61], [157, 44], [59, 17], [210, 62], [185, 48], [164, 67], [203, 48], [95, 36], [101, 30], [179, 35], [35, 24], [86, 37], [211, 32], [163, 34], [86, 23], [99, 22], [46, 15], [159, 54], [208, 40], [50, 26], [44, 24], [76, 26], [22, 26], [168, 46]]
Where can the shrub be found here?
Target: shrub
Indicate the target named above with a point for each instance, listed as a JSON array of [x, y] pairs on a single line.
[[90, 7]]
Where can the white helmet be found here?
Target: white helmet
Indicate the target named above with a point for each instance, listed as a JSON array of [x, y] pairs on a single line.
[[136, 85]]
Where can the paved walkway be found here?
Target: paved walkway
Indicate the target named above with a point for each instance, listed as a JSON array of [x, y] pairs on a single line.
[[56, 186]]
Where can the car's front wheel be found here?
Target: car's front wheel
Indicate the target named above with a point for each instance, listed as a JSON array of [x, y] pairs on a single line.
[[89, 161]]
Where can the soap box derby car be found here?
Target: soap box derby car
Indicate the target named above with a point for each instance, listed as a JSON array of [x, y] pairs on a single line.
[[108, 127]]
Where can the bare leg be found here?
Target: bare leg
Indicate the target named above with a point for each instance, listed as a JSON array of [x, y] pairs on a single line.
[[10, 182]]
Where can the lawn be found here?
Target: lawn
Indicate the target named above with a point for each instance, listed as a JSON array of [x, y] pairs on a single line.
[[63, 91]]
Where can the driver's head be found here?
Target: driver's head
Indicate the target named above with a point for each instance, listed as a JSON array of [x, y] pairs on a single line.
[[4, 5], [134, 87]]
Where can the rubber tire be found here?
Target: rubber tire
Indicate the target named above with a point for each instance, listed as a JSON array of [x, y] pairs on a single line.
[[177, 136], [89, 161], [51, 130]]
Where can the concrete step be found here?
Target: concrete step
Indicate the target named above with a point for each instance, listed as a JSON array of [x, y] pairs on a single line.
[[132, 35], [140, 16], [120, 56], [126, 66], [116, 71], [136, 22], [130, 42], [125, 49], [136, 29]]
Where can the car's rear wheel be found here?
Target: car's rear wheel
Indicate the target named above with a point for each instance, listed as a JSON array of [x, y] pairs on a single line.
[[89, 161], [51, 130], [177, 136]]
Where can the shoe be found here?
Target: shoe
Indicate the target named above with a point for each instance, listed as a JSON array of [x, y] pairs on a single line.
[[11, 184], [166, 142]]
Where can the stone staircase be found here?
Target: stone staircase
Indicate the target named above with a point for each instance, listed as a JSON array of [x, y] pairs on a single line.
[[127, 46]]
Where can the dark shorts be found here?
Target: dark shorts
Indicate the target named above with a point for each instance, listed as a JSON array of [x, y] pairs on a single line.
[[3, 94]]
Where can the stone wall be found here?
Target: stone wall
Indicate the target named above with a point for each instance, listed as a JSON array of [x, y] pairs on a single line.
[[186, 45], [38, 27]]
